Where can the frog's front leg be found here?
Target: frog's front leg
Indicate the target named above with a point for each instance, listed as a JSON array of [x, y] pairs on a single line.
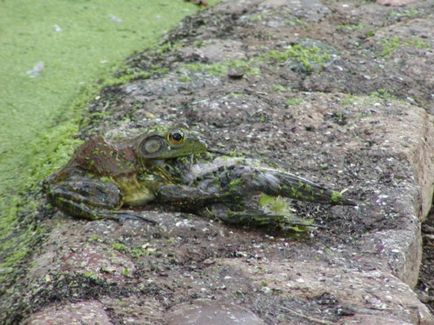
[[90, 199], [186, 196]]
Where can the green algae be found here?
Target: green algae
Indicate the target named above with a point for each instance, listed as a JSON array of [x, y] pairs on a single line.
[[95, 36], [294, 101], [280, 206], [120, 247], [307, 56], [220, 69], [392, 44], [336, 197], [53, 53]]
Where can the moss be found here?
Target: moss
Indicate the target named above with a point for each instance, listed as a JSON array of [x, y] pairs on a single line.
[[50, 105], [276, 205], [294, 101], [390, 45], [350, 28], [144, 250], [247, 67], [369, 33], [279, 88], [91, 275], [348, 100], [94, 238], [198, 44], [309, 56], [234, 184], [125, 78], [301, 191], [280, 210], [126, 272], [418, 43], [184, 78], [136, 252], [129, 75], [406, 13], [304, 55], [119, 247], [294, 21], [88, 47], [16, 242], [336, 197], [256, 18], [383, 94]]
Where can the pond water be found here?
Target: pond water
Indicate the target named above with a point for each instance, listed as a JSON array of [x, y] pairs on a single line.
[[52, 52]]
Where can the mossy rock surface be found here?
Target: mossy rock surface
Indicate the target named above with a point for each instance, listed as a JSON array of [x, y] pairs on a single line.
[[349, 124]]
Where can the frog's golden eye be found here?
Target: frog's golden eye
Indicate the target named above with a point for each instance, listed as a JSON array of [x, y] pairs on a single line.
[[175, 137]]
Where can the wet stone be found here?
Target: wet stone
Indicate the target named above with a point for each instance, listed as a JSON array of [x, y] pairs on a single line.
[[207, 312], [215, 50], [395, 2], [85, 312], [97, 260], [358, 267], [311, 10], [172, 85]]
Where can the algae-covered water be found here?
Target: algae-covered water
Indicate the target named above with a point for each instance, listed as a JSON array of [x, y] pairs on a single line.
[[51, 54], [50, 49]]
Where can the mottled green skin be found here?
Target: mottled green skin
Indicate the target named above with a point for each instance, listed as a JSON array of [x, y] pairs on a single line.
[[103, 178]]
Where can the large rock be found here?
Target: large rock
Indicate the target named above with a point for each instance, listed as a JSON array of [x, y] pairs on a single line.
[[358, 268]]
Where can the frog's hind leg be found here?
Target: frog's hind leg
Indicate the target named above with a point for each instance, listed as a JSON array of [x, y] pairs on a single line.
[[86, 193], [91, 200], [254, 217], [258, 179]]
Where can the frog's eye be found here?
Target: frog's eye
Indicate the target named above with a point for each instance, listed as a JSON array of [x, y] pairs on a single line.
[[175, 137], [151, 145]]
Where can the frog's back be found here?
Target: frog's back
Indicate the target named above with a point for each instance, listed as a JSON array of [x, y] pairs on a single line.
[[100, 158]]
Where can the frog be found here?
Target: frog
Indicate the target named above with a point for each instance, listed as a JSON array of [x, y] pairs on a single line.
[[173, 167]]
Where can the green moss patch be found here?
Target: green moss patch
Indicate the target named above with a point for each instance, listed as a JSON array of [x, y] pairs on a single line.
[[391, 45], [307, 57], [247, 67], [53, 52]]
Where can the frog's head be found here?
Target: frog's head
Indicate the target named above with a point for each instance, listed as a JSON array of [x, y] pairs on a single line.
[[166, 143]]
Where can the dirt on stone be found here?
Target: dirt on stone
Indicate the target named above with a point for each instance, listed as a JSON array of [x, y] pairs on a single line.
[[339, 92], [425, 286]]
